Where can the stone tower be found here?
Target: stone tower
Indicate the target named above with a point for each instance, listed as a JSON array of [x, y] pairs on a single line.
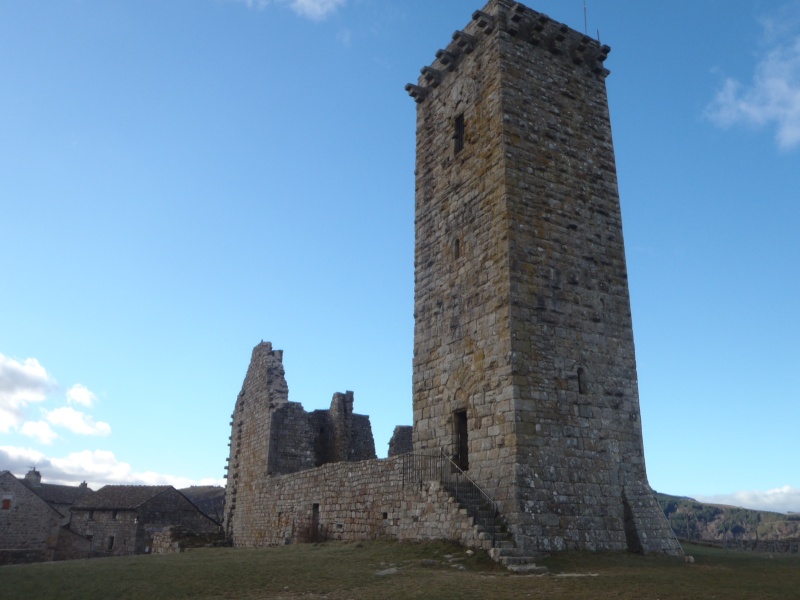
[[524, 364]]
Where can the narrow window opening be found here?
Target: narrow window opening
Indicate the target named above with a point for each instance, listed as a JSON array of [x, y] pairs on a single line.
[[582, 381], [91, 515], [457, 248], [458, 134], [110, 542], [385, 516], [462, 440], [114, 515]]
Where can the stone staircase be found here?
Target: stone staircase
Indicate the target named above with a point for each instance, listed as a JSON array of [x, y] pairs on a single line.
[[491, 528]]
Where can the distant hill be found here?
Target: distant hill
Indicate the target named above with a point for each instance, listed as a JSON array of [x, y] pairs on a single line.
[[208, 498], [693, 520]]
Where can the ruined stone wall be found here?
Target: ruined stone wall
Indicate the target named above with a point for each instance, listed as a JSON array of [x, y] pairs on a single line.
[[291, 440], [522, 307], [354, 501], [272, 436], [339, 434], [163, 542], [401, 442], [362, 443], [264, 389], [340, 416]]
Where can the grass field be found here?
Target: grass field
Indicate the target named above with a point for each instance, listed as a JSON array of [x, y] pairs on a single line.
[[388, 571]]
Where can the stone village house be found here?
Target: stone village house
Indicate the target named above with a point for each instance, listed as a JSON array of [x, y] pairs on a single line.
[[121, 520], [34, 519], [46, 522]]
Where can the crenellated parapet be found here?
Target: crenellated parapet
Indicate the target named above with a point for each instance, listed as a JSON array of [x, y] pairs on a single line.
[[505, 17]]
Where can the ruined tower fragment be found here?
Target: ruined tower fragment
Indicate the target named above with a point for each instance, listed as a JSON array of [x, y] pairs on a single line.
[[524, 364], [271, 436]]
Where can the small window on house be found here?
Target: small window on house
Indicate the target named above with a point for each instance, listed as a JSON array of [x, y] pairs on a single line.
[[110, 545], [458, 133], [114, 515], [6, 505], [91, 515], [385, 516]]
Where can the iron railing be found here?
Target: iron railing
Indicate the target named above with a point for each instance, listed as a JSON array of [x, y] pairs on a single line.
[[437, 466]]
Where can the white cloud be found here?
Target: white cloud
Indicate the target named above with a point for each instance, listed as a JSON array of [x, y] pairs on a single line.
[[80, 394], [316, 9], [97, 468], [21, 383], [39, 430], [784, 499], [772, 98], [76, 421], [312, 9]]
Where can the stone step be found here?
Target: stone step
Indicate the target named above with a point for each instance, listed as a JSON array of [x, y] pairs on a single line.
[[530, 569], [517, 560], [514, 552]]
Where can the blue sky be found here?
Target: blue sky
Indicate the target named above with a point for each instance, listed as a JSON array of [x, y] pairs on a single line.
[[180, 179]]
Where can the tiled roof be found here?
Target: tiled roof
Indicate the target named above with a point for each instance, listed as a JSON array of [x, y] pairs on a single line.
[[58, 494], [121, 497]]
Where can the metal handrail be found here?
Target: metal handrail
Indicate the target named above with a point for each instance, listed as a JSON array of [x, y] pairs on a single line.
[[486, 496], [440, 467]]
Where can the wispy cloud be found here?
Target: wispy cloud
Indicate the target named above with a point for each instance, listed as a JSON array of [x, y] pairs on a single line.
[[784, 499], [76, 421], [80, 394], [21, 384], [97, 468], [316, 10], [773, 96]]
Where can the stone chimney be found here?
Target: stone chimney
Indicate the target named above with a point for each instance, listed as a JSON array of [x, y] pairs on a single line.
[[34, 477]]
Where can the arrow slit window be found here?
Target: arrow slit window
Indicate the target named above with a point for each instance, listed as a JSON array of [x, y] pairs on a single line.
[[458, 133]]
